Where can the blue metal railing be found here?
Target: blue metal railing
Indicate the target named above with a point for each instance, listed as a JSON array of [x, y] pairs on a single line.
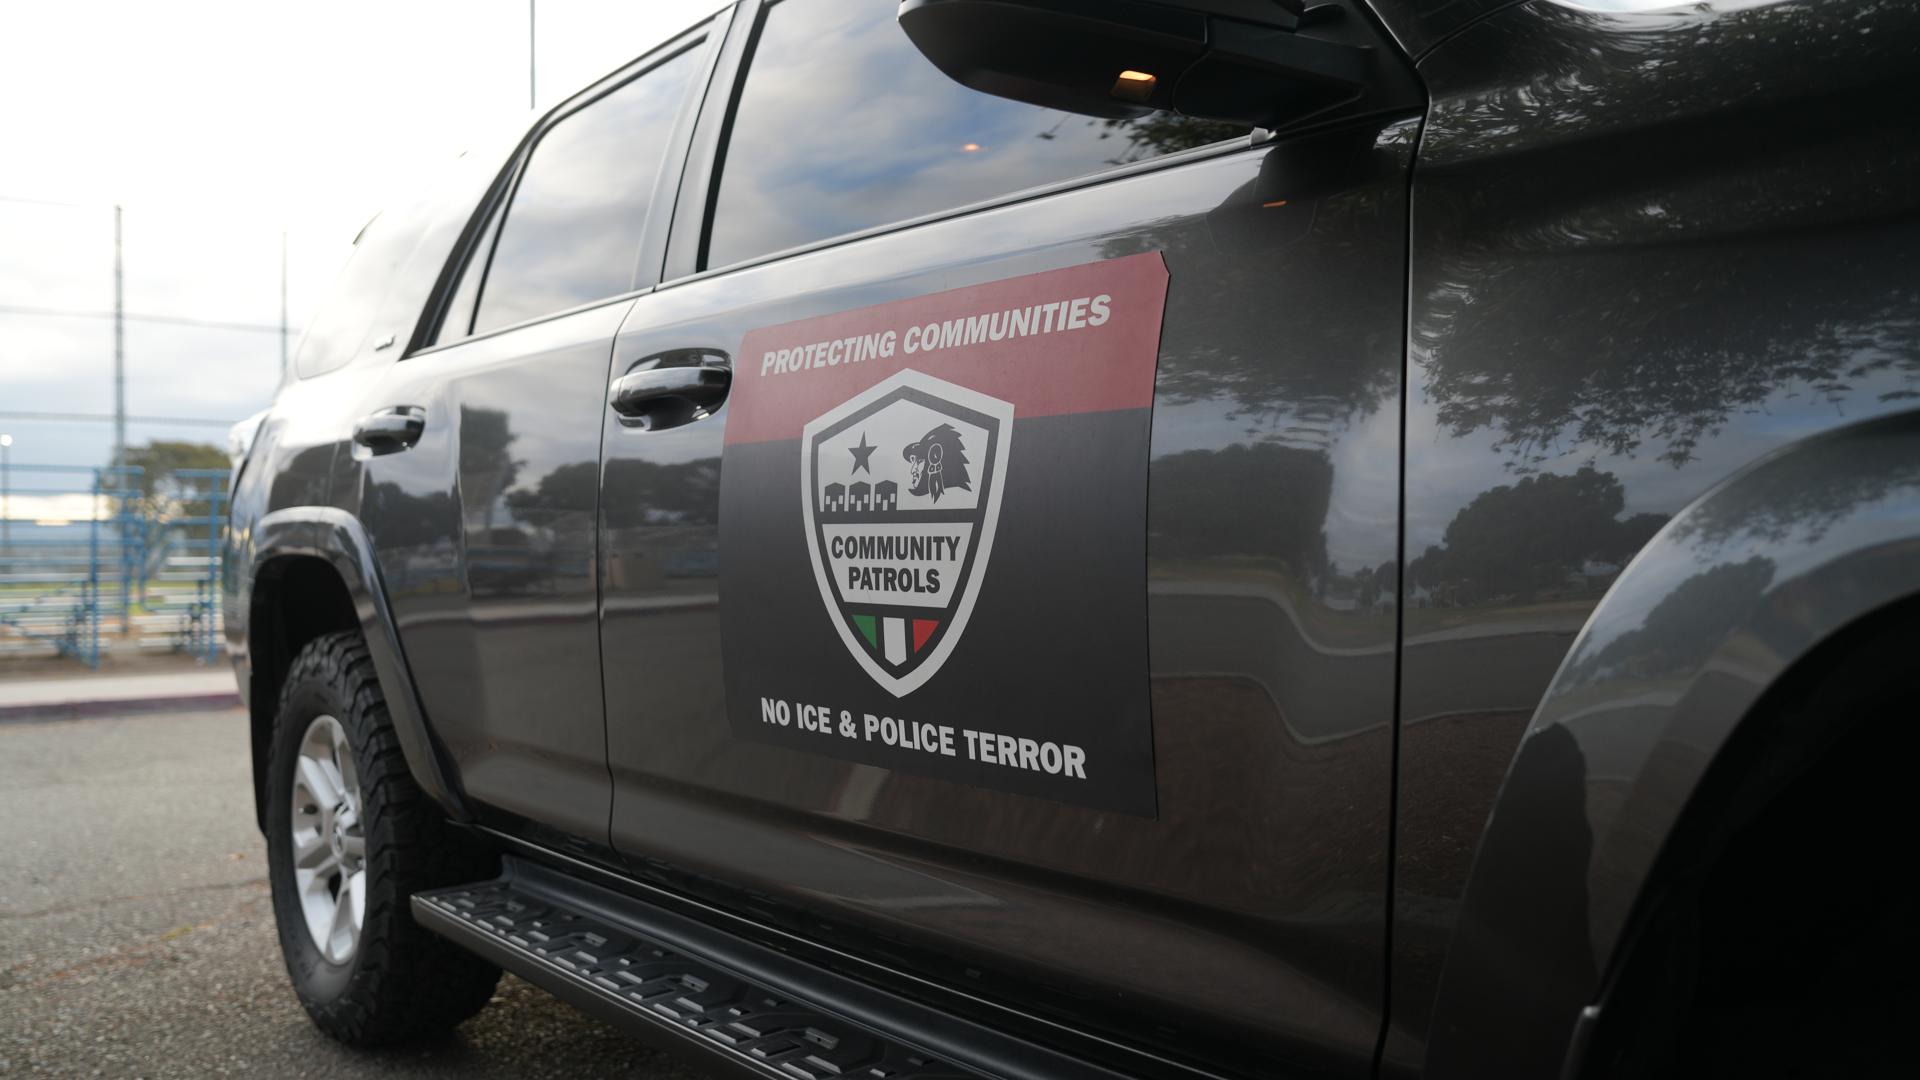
[[77, 566], [194, 556], [84, 553]]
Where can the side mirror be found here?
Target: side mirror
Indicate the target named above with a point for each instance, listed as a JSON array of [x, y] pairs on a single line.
[[1256, 62]]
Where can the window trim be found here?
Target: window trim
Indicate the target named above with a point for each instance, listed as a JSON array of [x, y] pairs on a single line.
[[482, 241], [691, 207], [706, 35], [737, 84]]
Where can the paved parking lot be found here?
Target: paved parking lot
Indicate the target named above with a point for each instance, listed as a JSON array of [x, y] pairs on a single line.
[[136, 935]]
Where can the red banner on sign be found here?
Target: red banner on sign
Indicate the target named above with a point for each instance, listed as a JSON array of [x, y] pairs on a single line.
[[1080, 339]]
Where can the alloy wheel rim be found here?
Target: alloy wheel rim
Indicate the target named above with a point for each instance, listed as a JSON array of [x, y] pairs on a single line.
[[329, 844]]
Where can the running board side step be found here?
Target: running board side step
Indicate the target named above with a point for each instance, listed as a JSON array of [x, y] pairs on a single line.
[[761, 1011]]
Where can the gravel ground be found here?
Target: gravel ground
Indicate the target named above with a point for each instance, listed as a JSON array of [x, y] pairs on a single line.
[[137, 939]]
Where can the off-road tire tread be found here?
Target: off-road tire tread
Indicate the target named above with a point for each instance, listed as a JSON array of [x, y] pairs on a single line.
[[406, 982]]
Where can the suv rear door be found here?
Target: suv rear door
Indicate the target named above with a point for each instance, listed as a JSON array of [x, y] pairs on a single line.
[[484, 525], [1082, 707]]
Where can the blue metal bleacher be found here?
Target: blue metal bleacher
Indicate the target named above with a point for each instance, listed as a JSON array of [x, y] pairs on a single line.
[[87, 566]]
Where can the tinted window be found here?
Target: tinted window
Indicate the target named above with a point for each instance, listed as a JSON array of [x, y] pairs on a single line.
[[572, 231], [843, 125], [336, 332]]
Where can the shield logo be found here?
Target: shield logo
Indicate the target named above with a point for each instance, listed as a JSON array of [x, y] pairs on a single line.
[[901, 488]]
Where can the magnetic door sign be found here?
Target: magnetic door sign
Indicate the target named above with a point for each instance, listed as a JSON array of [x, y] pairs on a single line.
[[933, 524]]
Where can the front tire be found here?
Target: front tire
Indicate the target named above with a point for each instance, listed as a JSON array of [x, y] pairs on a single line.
[[350, 839]]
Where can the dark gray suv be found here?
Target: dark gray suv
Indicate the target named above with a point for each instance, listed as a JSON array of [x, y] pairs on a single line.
[[1173, 538]]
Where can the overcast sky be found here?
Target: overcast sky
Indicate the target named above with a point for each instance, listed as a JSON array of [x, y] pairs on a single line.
[[217, 125]]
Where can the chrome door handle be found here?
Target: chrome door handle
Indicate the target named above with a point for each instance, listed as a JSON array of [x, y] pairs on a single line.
[[672, 388], [391, 430]]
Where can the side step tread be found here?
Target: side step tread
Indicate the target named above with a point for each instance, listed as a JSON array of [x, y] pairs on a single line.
[[536, 934]]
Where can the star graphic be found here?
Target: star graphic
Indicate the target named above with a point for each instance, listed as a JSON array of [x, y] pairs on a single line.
[[861, 453]]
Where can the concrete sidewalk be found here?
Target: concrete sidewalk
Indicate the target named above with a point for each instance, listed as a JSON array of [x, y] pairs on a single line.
[[66, 696]]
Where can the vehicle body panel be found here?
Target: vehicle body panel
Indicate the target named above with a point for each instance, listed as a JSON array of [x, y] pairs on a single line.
[[1418, 26], [484, 531], [1647, 250], [1250, 906], [337, 539], [1741, 584]]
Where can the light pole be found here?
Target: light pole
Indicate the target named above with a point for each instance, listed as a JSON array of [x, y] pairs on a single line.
[[6, 494]]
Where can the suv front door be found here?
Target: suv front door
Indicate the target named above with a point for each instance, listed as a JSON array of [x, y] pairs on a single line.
[[1138, 782]]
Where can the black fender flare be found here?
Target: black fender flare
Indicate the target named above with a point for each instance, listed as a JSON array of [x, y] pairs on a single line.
[[1741, 585], [337, 537]]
